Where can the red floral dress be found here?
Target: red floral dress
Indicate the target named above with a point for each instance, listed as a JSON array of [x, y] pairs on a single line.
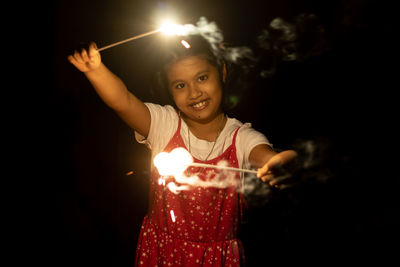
[[202, 230]]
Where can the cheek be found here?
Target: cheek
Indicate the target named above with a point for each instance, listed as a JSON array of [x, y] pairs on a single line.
[[178, 98], [217, 92]]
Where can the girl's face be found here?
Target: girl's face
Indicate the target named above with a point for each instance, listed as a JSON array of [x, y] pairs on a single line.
[[196, 88]]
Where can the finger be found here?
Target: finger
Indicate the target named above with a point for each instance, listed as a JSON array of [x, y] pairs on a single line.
[[93, 50], [92, 45], [71, 59], [267, 177], [273, 184], [262, 171], [78, 57], [84, 55], [277, 181]]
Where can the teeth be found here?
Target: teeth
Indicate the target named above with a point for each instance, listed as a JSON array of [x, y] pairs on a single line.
[[199, 105]]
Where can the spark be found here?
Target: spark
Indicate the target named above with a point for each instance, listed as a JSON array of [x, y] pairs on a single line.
[[172, 216], [161, 181], [173, 163], [179, 159], [169, 28], [185, 44]]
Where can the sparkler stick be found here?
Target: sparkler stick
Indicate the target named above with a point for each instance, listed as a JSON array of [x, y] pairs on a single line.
[[222, 167], [128, 39], [167, 28]]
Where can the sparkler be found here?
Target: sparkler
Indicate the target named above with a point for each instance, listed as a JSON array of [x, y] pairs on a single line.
[[226, 168], [179, 159], [128, 40], [166, 28]]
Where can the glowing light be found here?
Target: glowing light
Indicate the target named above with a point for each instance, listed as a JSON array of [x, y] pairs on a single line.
[[185, 44], [174, 163], [172, 215], [161, 181], [169, 28]]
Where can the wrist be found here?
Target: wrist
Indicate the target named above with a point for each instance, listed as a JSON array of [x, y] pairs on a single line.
[[93, 72]]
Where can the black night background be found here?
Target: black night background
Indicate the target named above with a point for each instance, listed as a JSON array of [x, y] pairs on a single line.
[[338, 94]]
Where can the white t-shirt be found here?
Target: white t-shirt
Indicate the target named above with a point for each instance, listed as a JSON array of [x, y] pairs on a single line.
[[164, 123]]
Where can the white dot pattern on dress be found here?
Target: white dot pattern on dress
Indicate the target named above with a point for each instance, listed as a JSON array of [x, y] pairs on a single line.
[[206, 220]]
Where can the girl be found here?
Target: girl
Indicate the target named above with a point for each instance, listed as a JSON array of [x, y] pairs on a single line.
[[196, 227]]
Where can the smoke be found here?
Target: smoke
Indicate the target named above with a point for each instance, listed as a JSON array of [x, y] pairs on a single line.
[[222, 180], [214, 35], [309, 167], [283, 41], [214, 178]]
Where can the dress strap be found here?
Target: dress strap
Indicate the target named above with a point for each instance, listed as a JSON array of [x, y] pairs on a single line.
[[234, 135], [179, 121]]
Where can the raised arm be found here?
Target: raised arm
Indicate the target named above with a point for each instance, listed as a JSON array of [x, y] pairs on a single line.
[[112, 90]]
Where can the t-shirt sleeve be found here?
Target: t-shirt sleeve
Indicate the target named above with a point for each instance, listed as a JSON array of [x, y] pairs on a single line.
[[164, 122], [247, 139]]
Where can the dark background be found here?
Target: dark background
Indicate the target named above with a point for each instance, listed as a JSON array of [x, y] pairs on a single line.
[[82, 208]]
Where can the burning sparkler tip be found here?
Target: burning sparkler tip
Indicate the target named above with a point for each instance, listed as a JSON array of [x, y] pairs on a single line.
[[169, 28]]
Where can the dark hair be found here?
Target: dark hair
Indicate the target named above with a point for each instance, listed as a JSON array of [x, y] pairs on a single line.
[[175, 50]]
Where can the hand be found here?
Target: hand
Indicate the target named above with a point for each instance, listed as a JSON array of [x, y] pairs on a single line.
[[86, 60], [274, 171]]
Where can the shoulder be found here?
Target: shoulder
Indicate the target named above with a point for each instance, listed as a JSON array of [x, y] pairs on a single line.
[[164, 122], [244, 129], [232, 125], [162, 117], [159, 110], [247, 136]]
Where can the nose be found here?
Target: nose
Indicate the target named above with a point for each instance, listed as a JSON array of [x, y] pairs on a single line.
[[194, 91]]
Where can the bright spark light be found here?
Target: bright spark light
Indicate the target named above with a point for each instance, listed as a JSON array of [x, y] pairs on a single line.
[[172, 216], [174, 163], [169, 28], [185, 44], [161, 181]]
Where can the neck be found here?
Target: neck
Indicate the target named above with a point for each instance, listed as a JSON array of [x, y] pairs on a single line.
[[208, 130]]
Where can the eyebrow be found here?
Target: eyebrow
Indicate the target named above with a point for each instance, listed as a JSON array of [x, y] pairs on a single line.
[[197, 74]]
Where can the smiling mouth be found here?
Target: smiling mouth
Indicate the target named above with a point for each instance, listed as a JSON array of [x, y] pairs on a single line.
[[200, 105]]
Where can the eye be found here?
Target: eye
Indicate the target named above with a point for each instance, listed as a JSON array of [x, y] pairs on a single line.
[[202, 78], [179, 85]]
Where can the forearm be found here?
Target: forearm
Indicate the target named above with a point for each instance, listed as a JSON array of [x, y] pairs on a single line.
[[112, 90], [260, 155], [109, 87]]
